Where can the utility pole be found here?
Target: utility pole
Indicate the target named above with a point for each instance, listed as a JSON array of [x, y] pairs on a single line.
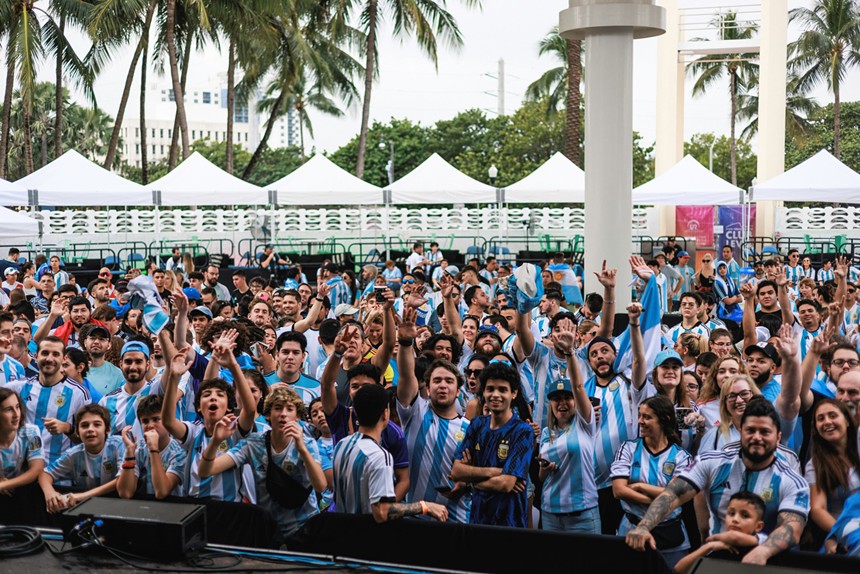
[[501, 86]]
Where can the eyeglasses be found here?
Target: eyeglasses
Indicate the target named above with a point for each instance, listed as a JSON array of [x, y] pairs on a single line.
[[408, 281], [472, 372], [745, 395], [489, 329], [693, 387], [502, 361], [842, 362]]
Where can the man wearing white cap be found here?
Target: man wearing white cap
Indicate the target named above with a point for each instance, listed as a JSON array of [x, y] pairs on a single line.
[[11, 282], [345, 312]]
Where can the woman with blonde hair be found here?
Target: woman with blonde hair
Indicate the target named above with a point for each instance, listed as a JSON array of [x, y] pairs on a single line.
[[188, 263], [722, 370], [689, 346]]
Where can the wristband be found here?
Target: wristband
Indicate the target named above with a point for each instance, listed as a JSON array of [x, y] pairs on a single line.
[[607, 301], [318, 299], [155, 450], [130, 458], [423, 508], [337, 355], [128, 466], [203, 456], [405, 342], [633, 324]]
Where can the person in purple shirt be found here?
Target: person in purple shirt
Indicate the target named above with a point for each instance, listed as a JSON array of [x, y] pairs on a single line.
[[342, 420]]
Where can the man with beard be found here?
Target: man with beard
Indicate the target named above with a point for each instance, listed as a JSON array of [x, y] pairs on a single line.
[[750, 466], [477, 300], [98, 292], [433, 428], [103, 375], [79, 314], [51, 398], [763, 361], [211, 280], [122, 403]]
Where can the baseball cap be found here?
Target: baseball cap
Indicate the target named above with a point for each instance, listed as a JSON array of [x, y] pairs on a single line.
[[192, 294], [766, 348], [201, 310], [344, 309], [132, 346], [10, 271], [561, 386], [667, 355], [483, 331], [683, 254], [100, 331], [330, 267]]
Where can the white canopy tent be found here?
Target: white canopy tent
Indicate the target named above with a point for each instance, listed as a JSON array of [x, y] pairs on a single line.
[[820, 178], [321, 182], [73, 180], [11, 193], [438, 182], [14, 224], [687, 183], [197, 181], [558, 180]]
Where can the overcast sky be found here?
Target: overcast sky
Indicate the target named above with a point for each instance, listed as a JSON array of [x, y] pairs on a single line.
[[409, 85]]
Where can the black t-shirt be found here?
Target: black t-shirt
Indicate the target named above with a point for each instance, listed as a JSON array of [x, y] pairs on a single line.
[[777, 315]]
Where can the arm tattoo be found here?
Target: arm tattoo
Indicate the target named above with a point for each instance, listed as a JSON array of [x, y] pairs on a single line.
[[787, 532], [665, 503], [396, 511]]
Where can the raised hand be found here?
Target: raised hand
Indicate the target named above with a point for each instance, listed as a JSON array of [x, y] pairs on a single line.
[[58, 307], [446, 285], [606, 277], [407, 328], [781, 278], [224, 428], [180, 301], [747, 291], [178, 365], [222, 350], [126, 440], [413, 300], [634, 310], [323, 290], [564, 342], [785, 343], [639, 268]]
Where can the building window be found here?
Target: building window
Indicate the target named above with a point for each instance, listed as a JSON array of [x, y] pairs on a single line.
[[137, 149], [240, 113], [153, 133], [207, 97], [162, 150], [208, 134], [193, 134], [153, 149], [137, 132], [171, 96], [161, 133], [170, 133]]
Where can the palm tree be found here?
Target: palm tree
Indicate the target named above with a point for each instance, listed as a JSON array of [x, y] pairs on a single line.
[[426, 19], [827, 49], [798, 107], [711, 68], [562, 84]]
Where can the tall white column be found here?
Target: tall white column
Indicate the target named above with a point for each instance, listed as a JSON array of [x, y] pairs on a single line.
[[609, 28], [669, 148], [771, 104]]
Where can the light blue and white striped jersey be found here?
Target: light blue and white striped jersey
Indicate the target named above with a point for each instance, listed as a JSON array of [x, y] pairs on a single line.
[[734, 271], [679, 329], [807, 273], [11, 370], [637, 464], [326, 448], [432, 443], [794, 274], [87, 470], [852, 317], [853, 274], [713, 440], [571, 488], [617, 423], [393, 273], [363, 474], [252, 451], [60, 401], [687, 273], [173, 459], [307, 387], [545, 371], [527, 378], [721, 474], [648, 390], [825, 275], [225, 486], [804, 337], [340, 292], [123, 408], [26, 448], [541, 322]]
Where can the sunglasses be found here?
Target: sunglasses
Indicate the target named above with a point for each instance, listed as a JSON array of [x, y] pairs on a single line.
[[408, 281], [502, 361], [472, 372], [706, 260], [489, 329], [104, 274]]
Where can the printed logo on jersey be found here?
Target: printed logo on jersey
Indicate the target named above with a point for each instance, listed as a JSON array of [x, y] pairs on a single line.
[[288, 467], [503, 450], [767, 494], [60, 400], [35, 443], [459, 436], [223, 446], [613, 386], [668, 468], [109, 467]]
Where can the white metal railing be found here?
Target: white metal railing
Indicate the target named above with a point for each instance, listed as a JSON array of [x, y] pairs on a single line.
[[345, 220], [817, 219]]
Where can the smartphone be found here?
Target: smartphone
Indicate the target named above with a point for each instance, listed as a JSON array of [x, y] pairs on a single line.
[[379, 290], [131, 436], [543, 462], [444, 490], [595, 402], [681, 414], [258, 348]]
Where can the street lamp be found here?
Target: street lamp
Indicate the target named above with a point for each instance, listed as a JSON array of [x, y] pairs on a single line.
[[493, 172], [389, 167]]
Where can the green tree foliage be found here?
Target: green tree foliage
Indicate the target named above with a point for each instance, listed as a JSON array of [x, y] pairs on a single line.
[[699, 147], [820, 136]]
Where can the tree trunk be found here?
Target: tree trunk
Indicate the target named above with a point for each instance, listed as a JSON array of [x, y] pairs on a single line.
[[123, 102], [733, 83], [368, 85], [174, 140], [178, 92], [231, 101], [574, 99], [837, 122], [28, 138], [144, 160], [58, 112], [44, 141], [7, 116], [276, 110], [300, 114]]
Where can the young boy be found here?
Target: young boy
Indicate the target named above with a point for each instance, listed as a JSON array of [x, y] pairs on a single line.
[[92, 466], [744, 523], [155, 457], [326, 448]]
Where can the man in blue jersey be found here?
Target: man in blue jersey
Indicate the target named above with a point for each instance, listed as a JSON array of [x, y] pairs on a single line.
[[752, 466], [122, 403], [52, 399], [363, 470], [433, 428], [689, 306], [290, 352], [496, 452]]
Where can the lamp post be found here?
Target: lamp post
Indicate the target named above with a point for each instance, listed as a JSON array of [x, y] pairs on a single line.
[[389, 167], [493, 172]]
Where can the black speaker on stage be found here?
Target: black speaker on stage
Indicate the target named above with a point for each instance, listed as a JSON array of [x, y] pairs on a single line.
[[785, 563], [155, 530]]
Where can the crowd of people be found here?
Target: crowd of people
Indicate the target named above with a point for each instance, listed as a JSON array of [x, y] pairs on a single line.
[[722, 417]]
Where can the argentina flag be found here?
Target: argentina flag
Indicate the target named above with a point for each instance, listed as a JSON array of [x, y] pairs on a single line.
[[563, 273], [652, 332]]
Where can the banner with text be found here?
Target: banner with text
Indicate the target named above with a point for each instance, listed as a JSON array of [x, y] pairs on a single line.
[[731, 219], [696, 221]]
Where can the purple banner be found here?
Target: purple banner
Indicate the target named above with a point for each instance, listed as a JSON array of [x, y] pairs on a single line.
[[730, 218]]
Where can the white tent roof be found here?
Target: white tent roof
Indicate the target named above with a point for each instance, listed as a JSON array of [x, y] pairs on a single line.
[[72, 179], [820, 178], [559, 180], [687, 183], [14, 224], [321, 182], [437, 181], [12, 193], [197, 181]]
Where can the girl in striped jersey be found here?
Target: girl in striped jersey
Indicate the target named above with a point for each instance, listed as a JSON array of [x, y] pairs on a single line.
[[642, 469], [21, 459], [569, 499]]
